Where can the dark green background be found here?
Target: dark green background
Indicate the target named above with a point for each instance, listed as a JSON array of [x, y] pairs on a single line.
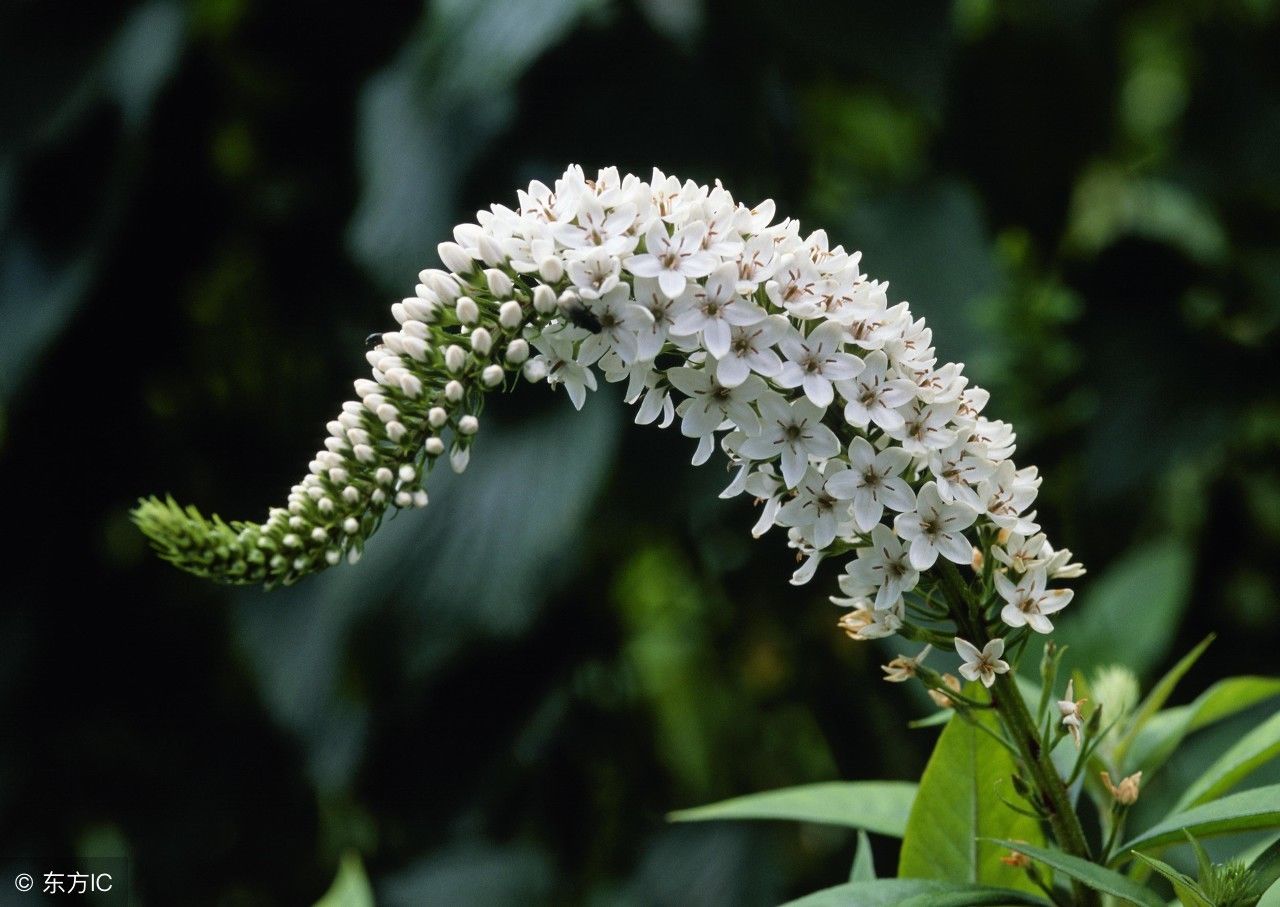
[[204, 207]]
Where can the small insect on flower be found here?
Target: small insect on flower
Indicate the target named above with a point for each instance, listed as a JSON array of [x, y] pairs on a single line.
[[579, 315]]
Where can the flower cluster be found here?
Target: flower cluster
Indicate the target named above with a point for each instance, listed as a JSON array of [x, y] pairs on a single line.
[[768, 343]]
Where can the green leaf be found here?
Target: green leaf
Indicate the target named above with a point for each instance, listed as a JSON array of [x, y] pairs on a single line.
[[1155, 574], [1267, 863], [1250, 752], [1091, 874], [879, 806], [958, 803], [914, 893], [1184, 887], [1159, 695], [1250, 810], [864, 868], [350, 887], [1166, 730], [1272, 896]]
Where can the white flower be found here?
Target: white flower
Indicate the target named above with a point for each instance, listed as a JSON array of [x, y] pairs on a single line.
[[711, 403], [875, 395], [750, 350], [1006, 494], [901, 669], [1069, 709], [873, 482], [599, 229], [1028, 603], [673, 259], [958, 471], [562, 368], [884, 566], [714, 310], [863, 623], [813, 511], [595, 273], [792, 430], [620, 322], [662, 309], [926, 427], [936, 527], [984, 665], [814, 362], [1020, 553]]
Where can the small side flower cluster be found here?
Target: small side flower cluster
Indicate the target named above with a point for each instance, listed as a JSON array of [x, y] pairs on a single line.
[[766, 342]]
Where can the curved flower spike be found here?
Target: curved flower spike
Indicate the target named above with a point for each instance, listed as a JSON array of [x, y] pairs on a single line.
[[769, 343]]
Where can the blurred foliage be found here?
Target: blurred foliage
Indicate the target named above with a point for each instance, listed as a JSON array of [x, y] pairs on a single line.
[[202, 205]]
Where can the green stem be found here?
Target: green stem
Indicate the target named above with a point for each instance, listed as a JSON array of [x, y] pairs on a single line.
[[1021, 728], [1056, 802]]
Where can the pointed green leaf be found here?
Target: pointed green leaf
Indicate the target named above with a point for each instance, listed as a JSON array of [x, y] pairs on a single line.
[[1091, 874], [350, 887], [1250, 810], [878, 806], [914, 893], [864, 867], [1159, 695], [960, 802], [1184, 887], [1166, 730], [1267, 862], [1249, 753]]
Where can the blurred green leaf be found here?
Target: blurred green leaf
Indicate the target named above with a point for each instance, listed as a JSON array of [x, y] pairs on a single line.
[[878, 806], [1091, 874], [959, 802], [436, 564], [1271, 898], [471, 873], [1110, 203], [864, 867], [1258, 747], [1250, 810], [425, 119], [350, 887], [914, 893], [1152, 580], [1160, 737], [1159, 695]]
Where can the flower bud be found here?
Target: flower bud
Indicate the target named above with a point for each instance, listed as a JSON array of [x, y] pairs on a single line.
[[454, 357], [419, 498], [406, 473], [544, 299], [396, 431], [453, 391], [467, 310], [403, 499], [517, 351], [350, 525], [454, 257], [415, 347], [535, 370], [492, 375], [434, 447], [383, 476], [499, 283], [551, 269], [468, 425], [510, 314], [489, 249], [481, 341], [459, 457], [436, 416]]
